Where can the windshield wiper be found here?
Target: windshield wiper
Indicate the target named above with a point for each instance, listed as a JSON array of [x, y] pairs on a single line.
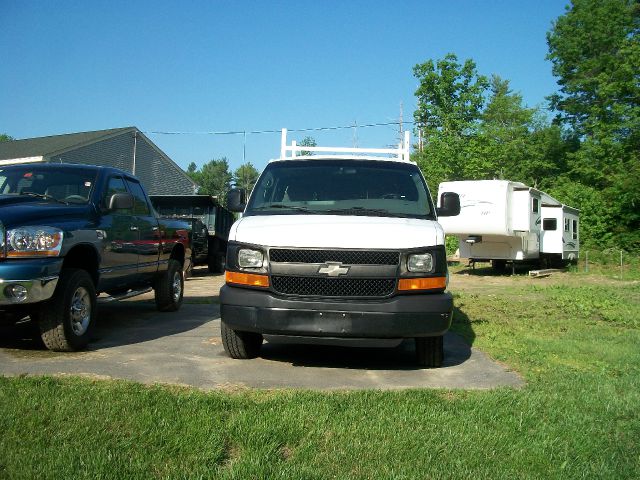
[[286, 207], [44, 196]]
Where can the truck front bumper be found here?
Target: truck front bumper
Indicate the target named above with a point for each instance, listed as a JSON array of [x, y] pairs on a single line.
[[402, 316], [28, 281]]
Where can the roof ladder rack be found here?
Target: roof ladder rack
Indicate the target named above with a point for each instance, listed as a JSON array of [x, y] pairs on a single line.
[[401, 153]]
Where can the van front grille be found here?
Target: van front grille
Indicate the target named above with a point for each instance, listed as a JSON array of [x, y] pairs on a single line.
[[347, 257], [333, 287]]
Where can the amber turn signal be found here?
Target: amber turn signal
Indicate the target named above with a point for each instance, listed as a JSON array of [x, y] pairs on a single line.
[[429, 283], [246, 279]]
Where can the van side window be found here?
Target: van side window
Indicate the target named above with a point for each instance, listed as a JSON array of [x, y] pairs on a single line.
[[535, 205], [575, 229], [549, 224]]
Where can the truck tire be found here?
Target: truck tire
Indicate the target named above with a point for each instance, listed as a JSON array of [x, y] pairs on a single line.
[[430, 351], [169, 288], [240, 345], [67, 320]]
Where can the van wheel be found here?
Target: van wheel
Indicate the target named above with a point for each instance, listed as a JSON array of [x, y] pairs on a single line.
[[169, 288], [240, 345], [430, 351], [67, 321]]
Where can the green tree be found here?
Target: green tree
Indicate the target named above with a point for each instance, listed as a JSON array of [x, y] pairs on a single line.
[[214, 178], [595, 51], [192, 167], [246, 177], [450, 98], [307, 142], [514, 142], [5, 138]]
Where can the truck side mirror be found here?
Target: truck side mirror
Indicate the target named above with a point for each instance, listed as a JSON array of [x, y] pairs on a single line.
[[120, 201], [449, 205], [236, 200]]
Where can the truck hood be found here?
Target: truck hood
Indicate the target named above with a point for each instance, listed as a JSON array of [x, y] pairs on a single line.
[[19, 211], [335, 231]]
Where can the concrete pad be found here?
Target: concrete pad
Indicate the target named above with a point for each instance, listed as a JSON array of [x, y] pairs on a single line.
[[135, 342]]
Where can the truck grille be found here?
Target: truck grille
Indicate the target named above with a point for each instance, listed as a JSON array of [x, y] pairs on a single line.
[[347, 257], [333, 287]]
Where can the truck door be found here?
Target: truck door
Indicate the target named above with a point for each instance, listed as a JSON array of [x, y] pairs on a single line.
[[119, 256], [146, 225]]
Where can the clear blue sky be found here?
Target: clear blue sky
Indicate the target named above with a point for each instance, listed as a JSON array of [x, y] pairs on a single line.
[[201, 66]]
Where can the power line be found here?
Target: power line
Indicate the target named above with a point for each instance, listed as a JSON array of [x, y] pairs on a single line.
[[251, 132]]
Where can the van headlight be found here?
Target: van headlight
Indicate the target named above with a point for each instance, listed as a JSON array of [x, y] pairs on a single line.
[[420, 262], [249, 258], [34, 241]]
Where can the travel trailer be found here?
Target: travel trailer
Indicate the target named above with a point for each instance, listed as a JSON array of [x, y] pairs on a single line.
[[503, 221]]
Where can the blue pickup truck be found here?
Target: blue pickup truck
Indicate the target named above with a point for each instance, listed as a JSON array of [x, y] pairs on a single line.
[[69, 233]]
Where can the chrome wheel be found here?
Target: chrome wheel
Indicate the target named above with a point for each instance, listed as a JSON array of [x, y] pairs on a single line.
[[80, 311], [176, 286]]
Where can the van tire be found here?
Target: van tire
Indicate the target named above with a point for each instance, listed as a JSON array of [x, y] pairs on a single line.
[[240, 345], [430, 351], [68, 319]]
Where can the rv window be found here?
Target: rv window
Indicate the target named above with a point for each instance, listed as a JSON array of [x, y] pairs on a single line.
[[549, 224], [566, 224], [575, 229], [536, 205]]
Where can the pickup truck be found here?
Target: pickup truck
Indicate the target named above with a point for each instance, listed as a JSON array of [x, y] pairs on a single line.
[[69, 233], [343, 248]]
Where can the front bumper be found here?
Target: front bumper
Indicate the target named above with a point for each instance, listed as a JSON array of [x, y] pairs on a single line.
[[38, 277], [402, 316]]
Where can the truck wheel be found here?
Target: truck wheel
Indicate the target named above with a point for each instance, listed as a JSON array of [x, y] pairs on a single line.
[[241, 345], [67, 320], [169, 288], [430, 351]]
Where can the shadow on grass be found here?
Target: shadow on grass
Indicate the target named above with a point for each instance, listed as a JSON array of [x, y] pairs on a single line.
[[462, 326]]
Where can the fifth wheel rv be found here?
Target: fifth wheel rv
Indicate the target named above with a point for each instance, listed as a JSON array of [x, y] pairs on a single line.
[[503, 221]]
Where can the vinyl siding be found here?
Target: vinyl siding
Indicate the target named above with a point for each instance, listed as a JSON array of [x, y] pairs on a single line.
[[157, 174]]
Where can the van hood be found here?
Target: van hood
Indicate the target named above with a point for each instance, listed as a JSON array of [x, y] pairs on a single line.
[[336, 231]]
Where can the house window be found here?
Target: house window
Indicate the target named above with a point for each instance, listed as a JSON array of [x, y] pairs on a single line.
[[535, 205], [549, 224], [575, 229], [567, 224]]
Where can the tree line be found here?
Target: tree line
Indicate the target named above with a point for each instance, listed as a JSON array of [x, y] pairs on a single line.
[[583, 148]]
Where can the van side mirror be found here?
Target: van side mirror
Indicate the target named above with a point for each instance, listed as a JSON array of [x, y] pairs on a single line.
[[120, 201], [449, 205], [236, 199]]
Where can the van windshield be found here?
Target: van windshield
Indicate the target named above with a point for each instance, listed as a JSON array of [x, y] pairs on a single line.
[[341, 187]]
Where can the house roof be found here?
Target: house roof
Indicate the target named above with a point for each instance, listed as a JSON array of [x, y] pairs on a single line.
[[41, 146]]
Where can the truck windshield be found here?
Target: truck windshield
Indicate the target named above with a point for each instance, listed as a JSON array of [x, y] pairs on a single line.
[[341, 187], [65, 185]]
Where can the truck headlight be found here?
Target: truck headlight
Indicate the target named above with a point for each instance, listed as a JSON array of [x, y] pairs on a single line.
[[420, 262], [34, 242], [248, 258]]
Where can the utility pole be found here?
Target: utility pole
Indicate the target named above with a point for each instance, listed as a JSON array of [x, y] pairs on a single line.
[[355, 134], [401, 125], [135, 146]]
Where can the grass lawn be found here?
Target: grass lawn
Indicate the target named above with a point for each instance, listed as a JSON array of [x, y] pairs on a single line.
[[575, 338]]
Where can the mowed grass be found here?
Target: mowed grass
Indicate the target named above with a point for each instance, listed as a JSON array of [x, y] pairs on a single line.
[[578, 348]]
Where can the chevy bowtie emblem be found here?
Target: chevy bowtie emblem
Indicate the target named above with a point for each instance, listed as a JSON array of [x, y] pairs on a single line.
[[334, 269]]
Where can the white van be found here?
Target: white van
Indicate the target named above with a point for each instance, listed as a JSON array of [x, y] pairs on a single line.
[[338, 247]]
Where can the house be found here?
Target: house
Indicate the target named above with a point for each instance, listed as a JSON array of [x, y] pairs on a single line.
[[124, 148]]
